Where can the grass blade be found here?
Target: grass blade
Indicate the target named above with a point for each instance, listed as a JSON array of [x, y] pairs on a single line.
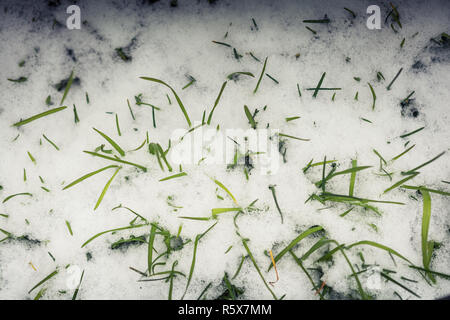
[[17, 194], [412, 132], [117, 160], [90, 174], [220, 184], [176, 97], [111, 142], [113, 230], [427, 246], [51, 142], [181, 174], [351, 188], [194, 255], [218, 98], [66, 90], [423, 164], [426, 189], [40, 115], [105, 188], [51, 275], [250, 117], [399, 183], [260, 76], [244, 242], [374, 96]]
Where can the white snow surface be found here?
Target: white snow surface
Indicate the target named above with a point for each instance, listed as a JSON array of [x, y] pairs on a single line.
[[171, 43]]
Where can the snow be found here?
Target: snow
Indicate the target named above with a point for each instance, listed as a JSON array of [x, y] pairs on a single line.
[[172, 43]]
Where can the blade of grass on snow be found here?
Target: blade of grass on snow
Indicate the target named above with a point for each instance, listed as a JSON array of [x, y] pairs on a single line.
[[111, 142], [66, 90], [244, 242], [427, 246], [260, 76], [194, 255], [216, 102], [426, 189], [51, 275], [294, 242], [117, 160], [105, 188], [113, 230], [90, 174], [38, 116], [183, 109]]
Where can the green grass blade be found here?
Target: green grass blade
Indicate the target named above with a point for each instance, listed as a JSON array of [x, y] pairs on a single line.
[[244, 242], [194, 255], [412, 132], [75, 294], [423, 164], [292, 137], [105, 188], [181, 174], [399, 183], [294, 242], [38, 116], [217, 101], [90, 174], [117, 160], [250, 117], [401, 154], [316, 90], [183, 109], [260, 76], [374, 96], [380, 246], [51, 142], [17, 194], [66, 90], [351, 188], [231, 75], [111, 142], [51, 275], [220, 184], [426, 189], [113, 230], [151, 241], [399, 284], [427, 249], [217, 211]]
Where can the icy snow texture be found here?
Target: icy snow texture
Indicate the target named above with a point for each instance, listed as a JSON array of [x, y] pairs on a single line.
[[172, 42]]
